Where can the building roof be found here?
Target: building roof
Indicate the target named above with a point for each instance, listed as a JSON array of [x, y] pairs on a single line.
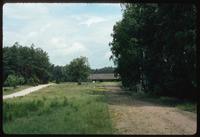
[[102, 76]]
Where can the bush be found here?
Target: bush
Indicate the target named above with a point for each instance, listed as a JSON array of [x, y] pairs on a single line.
[[12, 81], [79, 82], [57, 81], [21, 80], [31, 82], [34, 81]]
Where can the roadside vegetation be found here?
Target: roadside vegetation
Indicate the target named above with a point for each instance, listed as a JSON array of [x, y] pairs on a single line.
[[65, 108], [186, 105]]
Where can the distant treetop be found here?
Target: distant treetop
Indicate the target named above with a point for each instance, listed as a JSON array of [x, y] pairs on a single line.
[[103, 70]]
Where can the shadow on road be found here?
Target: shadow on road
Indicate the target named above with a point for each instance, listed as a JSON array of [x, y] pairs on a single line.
[[117, 96]]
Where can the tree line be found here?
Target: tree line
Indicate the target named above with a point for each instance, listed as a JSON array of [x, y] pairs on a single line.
[[103, 70], [154, 45], [30, 65], [77, 70]]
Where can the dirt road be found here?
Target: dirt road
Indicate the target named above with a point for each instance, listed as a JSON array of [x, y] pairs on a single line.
[[132, 116], [25, 91]]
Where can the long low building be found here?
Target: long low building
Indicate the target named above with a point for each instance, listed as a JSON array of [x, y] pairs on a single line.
[[103, 77]]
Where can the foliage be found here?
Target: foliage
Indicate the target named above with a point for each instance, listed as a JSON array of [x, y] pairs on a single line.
[[103, 70], [58, 74], [34, 81], [33, 65], [29, 62], [79, 69], [13, 80], [155, 47], [21, 80]]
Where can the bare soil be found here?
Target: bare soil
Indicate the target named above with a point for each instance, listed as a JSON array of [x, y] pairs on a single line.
[[131, 116]]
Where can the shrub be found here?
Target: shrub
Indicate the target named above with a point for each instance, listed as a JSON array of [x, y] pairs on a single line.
[[57, 81], [34, 81], [30, 81], [12, 81], [21, 80], [79, 82]]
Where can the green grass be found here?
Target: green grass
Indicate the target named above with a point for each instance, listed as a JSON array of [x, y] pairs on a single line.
[[166, 101], [10, 90], [65, 108], [113, 83]]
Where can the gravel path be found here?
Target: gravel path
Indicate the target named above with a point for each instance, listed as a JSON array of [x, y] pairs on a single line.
[[138, 117], [26, 91]]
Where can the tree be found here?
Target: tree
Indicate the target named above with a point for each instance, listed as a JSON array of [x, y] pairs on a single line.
[[57, 73], [28, 62], [79, 69], [103, 70], [155, 47]]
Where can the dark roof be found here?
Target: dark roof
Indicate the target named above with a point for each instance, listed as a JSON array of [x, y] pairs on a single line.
[[102, 76]]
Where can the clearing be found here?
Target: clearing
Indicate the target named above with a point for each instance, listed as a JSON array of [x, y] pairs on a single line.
[[92, 108]]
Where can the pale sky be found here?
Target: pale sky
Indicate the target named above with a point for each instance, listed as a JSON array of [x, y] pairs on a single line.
[[64, 31]]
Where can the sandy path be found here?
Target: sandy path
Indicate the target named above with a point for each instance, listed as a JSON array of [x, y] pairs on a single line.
[[26, 91], [138, 117]]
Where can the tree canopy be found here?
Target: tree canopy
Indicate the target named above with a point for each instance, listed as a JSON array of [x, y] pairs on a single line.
[[79, 69], [29, 62], [103, 70], [30, 65], [154, 45]]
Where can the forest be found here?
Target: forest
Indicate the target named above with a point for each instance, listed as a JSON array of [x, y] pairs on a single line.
[[154, 45], [30, 65], [103, 70]]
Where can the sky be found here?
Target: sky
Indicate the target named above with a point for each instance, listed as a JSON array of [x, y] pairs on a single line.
[[64, 31]]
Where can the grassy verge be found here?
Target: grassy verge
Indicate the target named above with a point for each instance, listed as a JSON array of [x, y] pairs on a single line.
[[10, 90], [167, 101], [65, 108]]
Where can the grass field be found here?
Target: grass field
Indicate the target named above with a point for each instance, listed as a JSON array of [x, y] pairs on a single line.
[[69, 108], [10, 90], [65, 108]]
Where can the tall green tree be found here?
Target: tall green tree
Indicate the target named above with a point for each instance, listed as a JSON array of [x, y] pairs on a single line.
[[29, 62], [79, 69], [155, 47]]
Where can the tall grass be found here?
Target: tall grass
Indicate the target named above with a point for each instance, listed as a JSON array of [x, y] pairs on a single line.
[[61, 109]]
